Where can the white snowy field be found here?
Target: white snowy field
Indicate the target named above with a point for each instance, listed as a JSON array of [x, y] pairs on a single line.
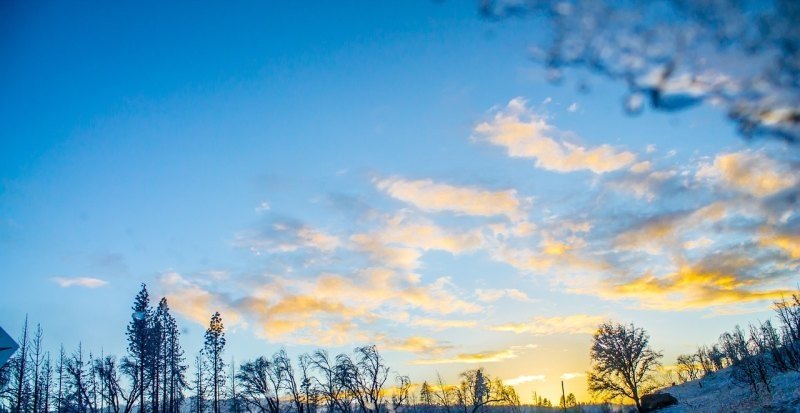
[[719, 393]]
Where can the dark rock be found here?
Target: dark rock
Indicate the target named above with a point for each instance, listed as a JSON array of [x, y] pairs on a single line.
[[651, 402]]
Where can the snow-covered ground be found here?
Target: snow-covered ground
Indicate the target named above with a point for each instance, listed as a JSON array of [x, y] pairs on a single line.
[[719, 393]]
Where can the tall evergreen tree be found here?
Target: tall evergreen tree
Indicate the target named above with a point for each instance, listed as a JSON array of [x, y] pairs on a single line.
[[214, 348], [177, 366], [155, 356], [138, 336]]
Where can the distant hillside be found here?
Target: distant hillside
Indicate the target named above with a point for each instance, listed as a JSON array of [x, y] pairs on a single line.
[[719, 393]]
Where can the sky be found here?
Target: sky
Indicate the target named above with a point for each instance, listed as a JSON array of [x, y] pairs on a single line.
[[339, 175]]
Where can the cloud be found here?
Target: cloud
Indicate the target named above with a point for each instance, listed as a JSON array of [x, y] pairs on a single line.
[[788, 243], [645, 184], [415, 344], [402, 239], [702, 242], [194, 302], [572, 324], [391, 256], [526, 135], [441, 324], [523, 379], [750, 172], [285, 236], [262, 207], [466, 200], [86, 282], [491, 295], [696, 287], [328, 309], [570, 376], [472, 358], [657, 231]]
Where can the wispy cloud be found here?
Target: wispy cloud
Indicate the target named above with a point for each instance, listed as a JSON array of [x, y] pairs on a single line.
[[467, 200], [572, 324], [285, 236], [262, 207], [527, 135], [750, 172], [472, 358], [402, 239], [441, 324], [492, 295], [570, 376], [415, 344], [524, 379], [328, 308], [696, 287], [86, 282]]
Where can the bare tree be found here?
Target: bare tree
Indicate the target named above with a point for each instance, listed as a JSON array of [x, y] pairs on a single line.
[[622, 362], [307, 386], [327, 382], [233, 391], [400, 393], [21, 372], [288, 382], [477, 390], [200, 391], [688, 367], [36, 360], [47, 379], [79, 398], [444, 395], [259, 382]]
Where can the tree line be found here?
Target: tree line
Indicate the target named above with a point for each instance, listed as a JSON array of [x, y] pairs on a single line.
[[624, 365], [154, 377], [755, 355]]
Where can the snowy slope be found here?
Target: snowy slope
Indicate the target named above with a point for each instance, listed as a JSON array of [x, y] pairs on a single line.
[[718, 393]]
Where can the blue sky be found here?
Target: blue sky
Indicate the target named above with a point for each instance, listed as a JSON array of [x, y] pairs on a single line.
[[395, 174]]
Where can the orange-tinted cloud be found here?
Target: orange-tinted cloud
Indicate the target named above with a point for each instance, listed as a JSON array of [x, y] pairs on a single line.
[[750, 172], [526, 135], [572, 324], [467, 200]]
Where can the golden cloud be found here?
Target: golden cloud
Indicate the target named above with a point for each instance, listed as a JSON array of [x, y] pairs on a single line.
[[525, 135], [467, 200], [304, 310], [524, 379], [692, 288], [472, 358], [750, 172], [572, 324]]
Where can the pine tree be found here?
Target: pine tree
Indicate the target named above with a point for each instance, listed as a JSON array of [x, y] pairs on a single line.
[[155, 357], [163, 316], [214, 347], [177, 366], [138, 333]]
